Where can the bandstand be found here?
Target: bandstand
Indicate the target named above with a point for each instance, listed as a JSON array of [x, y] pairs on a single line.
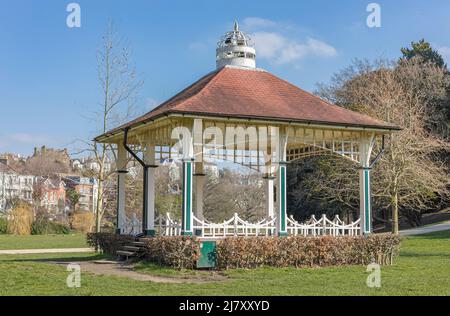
[[248, 116]]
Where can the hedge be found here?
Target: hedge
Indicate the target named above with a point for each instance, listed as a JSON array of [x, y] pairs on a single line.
[[253, 252], [108, 243], [177, 251], [181, 252], [300, 251]]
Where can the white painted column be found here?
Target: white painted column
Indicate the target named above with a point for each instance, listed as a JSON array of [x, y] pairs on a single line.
[[122, 173], [269, 186], [365, 203], [149, 159], [200, 179]]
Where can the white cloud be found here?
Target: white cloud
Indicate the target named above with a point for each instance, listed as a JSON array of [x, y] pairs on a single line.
[[274, 44], [268, 44], [252, 23], [445, 52], [282, 50]]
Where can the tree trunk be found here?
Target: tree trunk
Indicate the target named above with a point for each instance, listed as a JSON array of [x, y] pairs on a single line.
[[99, 209], [395, 213]]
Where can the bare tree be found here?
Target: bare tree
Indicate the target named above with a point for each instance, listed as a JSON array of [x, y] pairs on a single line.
[[119, 86], [412, 171]]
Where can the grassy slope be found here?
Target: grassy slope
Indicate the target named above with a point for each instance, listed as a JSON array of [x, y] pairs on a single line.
[[422, 269], [8, 242]]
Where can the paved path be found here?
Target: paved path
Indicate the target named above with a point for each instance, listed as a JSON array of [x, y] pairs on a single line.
[[36, 251], [425, 230]]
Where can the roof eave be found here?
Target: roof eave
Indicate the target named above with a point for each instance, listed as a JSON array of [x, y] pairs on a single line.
[[367, 127]]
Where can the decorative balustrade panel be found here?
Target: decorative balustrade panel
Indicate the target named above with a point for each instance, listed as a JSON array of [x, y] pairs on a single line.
[[236, 226]]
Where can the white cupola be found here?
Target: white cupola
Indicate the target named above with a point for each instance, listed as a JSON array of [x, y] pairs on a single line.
[[235, 48]]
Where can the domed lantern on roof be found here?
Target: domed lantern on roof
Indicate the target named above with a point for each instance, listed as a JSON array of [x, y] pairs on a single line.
[[235, 49]]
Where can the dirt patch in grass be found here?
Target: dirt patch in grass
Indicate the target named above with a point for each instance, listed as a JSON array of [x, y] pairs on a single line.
[[115, 268]]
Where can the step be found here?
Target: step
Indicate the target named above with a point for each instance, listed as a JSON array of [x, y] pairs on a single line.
[[125, 253], [132, 248], [138, 243]]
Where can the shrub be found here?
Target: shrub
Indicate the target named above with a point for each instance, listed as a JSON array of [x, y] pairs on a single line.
[[82, 222], [299, 251], [180, 252], [108, 243], [3, 225], [20, 220], [177, 251], [183, 252], [43, 226]]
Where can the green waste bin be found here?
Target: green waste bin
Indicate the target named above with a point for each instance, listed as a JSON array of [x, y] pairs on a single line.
[[207, 255]]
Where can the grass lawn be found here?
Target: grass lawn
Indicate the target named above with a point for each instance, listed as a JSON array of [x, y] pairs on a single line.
[[8, 242], [423, 268]]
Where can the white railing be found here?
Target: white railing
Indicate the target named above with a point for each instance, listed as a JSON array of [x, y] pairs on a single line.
[[166, 226], [323, 226], [236, 226]]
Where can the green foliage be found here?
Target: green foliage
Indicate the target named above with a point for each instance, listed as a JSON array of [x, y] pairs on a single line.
[[3, 225], [43, 226], [300, 251], [73, 196], [423, 50]]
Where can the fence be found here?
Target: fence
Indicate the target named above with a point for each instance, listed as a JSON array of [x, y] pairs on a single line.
[[236, 226]]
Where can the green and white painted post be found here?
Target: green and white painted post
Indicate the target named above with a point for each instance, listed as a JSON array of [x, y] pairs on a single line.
[[121, 177], [365, 201], [365, 204], [187, 219], [282, 183], [282, 200]]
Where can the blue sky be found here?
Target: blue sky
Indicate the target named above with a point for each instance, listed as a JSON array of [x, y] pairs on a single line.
[[48, 79]]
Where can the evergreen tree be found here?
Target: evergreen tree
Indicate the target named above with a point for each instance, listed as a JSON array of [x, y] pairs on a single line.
[[423, 50]]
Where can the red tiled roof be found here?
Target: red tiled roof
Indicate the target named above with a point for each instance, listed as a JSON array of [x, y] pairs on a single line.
[[242, 93]]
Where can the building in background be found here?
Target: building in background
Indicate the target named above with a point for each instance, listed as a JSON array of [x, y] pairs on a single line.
[[89, 164], [14, 186], [52, 194], [87, 189]]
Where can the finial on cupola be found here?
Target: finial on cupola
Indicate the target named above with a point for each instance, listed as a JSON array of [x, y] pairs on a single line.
[[235, 48], [236, 26]]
